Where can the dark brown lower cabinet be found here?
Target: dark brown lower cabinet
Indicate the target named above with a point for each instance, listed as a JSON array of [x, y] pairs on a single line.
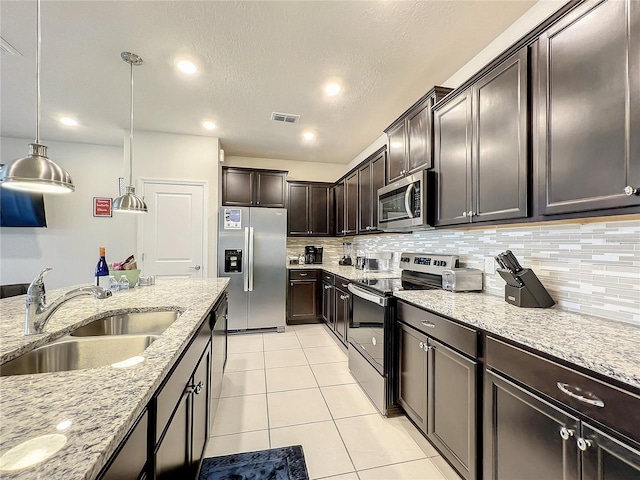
[[131, 460], [327, 304], [412, 378], [528, 438], [523, 435], [452, 407], [437, 390], [342, 302], [605, 458], [302, 297], [182, 446]]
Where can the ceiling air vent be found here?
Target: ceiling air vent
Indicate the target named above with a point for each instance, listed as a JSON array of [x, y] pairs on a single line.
[[284, 117], [7, 49]]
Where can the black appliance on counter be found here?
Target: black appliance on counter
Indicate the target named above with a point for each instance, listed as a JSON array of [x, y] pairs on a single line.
[[523, 289], [312, 254], [371, 335]]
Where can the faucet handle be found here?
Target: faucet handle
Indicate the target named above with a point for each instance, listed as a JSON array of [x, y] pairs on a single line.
[[36, 289]]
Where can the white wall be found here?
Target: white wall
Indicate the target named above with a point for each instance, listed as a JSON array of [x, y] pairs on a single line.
[[308, 171], [167, 156], [70, 242]]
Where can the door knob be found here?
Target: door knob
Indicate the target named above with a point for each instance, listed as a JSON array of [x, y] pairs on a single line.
[[583, 443], [565, 433], [196, 268]]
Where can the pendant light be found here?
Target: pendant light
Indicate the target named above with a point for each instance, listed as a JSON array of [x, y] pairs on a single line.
[[130, 202], [35, 172]]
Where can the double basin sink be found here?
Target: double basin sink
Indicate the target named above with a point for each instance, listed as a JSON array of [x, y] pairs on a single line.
[[105, 341]]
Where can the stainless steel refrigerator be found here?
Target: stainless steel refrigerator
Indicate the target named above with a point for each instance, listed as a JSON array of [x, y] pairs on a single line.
[[252, 249]]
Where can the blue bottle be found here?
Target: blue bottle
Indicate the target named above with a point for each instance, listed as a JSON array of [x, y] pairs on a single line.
[[102, 271]]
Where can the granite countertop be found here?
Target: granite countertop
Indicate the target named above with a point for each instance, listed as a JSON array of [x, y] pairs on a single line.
[[346, 271], [98, 405], [603, 346]]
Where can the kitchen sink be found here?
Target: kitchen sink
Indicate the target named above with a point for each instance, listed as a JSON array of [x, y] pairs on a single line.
[[129, 323], [77, 353]]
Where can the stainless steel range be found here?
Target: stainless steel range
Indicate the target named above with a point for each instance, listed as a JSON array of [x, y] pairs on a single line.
[[371, 333]]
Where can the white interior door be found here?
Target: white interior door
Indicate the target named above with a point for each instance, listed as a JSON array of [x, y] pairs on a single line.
[[174, 230]]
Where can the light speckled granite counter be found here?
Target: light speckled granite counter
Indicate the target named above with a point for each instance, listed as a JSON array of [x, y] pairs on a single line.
[[348, 272], [101, 403], [604, 346]]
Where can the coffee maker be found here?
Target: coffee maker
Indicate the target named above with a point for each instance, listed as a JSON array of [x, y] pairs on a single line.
[[312, 254]]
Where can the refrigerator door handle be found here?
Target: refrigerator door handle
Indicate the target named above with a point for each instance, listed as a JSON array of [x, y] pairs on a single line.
[[245, 261], [251, 259]]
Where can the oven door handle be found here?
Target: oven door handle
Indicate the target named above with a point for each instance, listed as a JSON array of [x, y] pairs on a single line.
[[370, 297]]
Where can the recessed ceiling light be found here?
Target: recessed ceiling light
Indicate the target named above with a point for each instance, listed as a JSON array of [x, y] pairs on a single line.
[[209, 125], [68, 121], [332, 89], [309, 135], [185, 66]]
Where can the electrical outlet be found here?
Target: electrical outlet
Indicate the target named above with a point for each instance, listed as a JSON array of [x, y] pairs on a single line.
[[489, 265]]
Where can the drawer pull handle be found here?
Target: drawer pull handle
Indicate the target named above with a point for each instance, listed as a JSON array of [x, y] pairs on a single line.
[[303, 274], [565, 433], [580, 395], [583, 443], [345, 285], [427, 323]]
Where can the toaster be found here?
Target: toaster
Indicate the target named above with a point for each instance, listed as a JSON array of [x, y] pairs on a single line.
[[462, 280]]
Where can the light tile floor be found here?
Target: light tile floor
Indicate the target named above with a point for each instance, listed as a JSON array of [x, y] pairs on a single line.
[[295, 388]]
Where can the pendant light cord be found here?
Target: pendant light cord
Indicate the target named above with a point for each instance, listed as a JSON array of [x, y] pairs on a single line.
[[130, 132], [38, 76]]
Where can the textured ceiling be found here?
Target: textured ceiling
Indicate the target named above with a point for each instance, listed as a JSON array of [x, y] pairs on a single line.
[[254, 58]]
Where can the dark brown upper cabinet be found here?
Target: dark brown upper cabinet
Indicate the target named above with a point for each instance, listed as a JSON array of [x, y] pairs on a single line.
[[587, 95], [371, 176], [338, 198], [481, 148], [245, 187], [309, 209], [410, 144], [351, 203]]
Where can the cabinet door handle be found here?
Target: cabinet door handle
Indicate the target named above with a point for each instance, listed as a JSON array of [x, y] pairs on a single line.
[[583, 443], [579, 394], [327, 287], [566, 433], [344, 297], [629, 190], [195, 388], [421, 345], [427, 323], [464, 214]]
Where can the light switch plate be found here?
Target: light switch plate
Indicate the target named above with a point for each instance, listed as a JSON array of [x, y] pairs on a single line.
[[489, 265]]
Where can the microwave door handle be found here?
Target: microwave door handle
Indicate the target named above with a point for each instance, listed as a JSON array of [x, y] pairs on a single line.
[[407, 200]]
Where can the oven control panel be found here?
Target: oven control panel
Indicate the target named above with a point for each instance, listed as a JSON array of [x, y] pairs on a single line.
[[427, 262]]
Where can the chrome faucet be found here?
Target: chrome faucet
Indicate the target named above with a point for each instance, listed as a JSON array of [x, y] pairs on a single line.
[[38, 312]]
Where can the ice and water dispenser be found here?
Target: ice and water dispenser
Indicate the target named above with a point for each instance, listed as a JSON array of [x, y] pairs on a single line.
[[233, 261]]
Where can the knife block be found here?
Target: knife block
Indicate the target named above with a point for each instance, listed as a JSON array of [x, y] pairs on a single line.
[[523, 289]]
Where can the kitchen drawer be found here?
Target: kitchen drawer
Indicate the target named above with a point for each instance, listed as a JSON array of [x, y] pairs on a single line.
[[457, 336], [328, 277], [303, 274], [171, 392], [342, 282], [617, 409]]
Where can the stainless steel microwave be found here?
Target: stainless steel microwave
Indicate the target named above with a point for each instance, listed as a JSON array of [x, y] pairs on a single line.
[[404, 205]]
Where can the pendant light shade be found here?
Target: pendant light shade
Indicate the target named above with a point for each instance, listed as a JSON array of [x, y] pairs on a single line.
[[35, 172], [130, 202]]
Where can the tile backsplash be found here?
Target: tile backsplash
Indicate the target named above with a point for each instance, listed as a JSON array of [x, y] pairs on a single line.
[[591, 268]]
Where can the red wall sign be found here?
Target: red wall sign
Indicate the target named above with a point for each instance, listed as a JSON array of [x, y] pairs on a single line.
[[101, 207]]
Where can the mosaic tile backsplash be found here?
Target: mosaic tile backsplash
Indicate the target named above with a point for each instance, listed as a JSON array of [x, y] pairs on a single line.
[[591, 268]]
